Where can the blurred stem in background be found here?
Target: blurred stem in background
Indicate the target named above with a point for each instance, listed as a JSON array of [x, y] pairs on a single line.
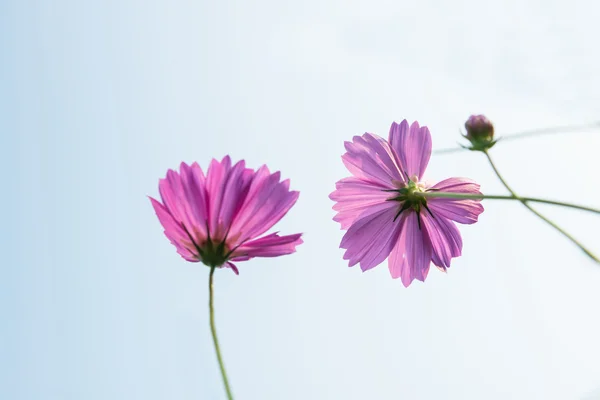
[[532, 133]]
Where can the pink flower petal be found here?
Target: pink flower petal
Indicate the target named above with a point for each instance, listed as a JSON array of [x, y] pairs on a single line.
[[411, 256], [267, 201], [271, 245], [232, 267], [370, 158], [459, 210], [215, 179], [444, 237], [195, 200], [173, 198], [458, 185], [371, 238], [234, 190], [412, 146], [355, 196], [437, 262], [175, 233]]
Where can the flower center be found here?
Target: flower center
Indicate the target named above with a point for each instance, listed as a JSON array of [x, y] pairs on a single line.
[[409, 198], [213, 255]]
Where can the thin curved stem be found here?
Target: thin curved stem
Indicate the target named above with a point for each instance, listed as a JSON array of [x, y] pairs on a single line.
[[530, 133], [213, 329], [543, 218], [450, 195]]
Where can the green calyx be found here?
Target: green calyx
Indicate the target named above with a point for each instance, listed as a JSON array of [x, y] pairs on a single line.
[[480, 132], [214, 255], [410, 199], [480, 143]]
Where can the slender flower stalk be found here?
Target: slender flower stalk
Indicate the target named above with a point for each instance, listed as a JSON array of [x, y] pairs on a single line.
[[449, 195], [213, 330], [542, 217]]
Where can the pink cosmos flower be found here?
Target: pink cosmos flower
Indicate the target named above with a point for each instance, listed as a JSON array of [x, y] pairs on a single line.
[[218, 218], [383, 212]]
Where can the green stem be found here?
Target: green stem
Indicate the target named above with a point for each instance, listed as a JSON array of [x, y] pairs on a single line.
[[450, 195], [543, 218], [213, 329]]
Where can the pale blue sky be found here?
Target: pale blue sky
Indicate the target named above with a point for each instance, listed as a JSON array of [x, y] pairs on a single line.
[[99, 99]]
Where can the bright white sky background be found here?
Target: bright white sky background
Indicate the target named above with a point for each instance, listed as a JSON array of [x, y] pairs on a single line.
[[99, 99]]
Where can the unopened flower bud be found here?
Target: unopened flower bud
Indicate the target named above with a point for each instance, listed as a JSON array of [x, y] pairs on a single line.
[[479, 128], [480, 132]]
